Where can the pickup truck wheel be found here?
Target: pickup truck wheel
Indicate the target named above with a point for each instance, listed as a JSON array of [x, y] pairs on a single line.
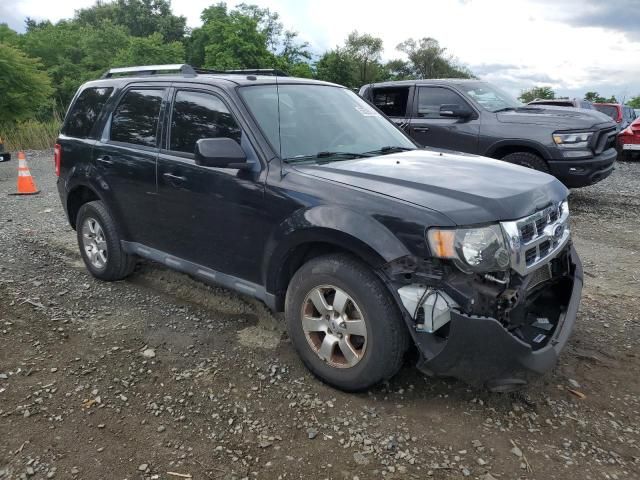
[[344, 323], [99, 243], [527, 159]]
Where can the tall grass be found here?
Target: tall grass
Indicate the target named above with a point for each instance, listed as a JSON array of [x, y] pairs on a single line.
[[30, 134]]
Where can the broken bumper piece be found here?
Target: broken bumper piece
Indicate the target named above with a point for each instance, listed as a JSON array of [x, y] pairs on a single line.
[[482, 352]]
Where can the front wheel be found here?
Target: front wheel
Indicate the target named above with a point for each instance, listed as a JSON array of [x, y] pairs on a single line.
[[344, 323], [527, 159]]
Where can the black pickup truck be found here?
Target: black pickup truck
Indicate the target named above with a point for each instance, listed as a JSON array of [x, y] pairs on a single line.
[[575, 145], [301, 194]]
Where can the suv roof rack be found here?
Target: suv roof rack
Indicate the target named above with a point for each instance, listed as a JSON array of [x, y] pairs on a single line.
[[186, 69]]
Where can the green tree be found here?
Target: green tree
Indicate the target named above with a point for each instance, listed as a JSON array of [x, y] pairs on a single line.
[[149, 50], [634, 102], [428, 59], [595, 97], [141, 18], [25, 88], [533, 93], [399, 69], [365, 50], [8, 36], [73, 53], [337, 66]]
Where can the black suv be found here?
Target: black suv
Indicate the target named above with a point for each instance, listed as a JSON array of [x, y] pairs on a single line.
[[301, 194], [575, 145]]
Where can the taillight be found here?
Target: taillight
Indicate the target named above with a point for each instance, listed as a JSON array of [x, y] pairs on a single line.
[[57, 158]]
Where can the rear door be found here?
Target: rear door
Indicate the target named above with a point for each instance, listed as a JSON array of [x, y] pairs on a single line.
[[213, 217], [430, 129], [125, 159]]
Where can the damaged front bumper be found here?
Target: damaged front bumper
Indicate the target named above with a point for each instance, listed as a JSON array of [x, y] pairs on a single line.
[[485, 351]]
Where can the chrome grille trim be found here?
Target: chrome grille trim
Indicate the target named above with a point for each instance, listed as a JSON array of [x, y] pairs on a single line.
[[535, 240]]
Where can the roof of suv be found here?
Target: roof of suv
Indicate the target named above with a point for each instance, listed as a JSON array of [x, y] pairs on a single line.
[[429, 81], [185, 73]]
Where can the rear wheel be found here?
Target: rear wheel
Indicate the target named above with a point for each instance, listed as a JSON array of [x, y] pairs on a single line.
[[344, 323], [527, 159], [99, 243]]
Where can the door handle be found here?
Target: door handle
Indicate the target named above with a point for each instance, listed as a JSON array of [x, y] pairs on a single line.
[[106, 160], [420, 129], [174, 178]]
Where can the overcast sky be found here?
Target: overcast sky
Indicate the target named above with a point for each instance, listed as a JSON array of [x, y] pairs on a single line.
[[572, 45]]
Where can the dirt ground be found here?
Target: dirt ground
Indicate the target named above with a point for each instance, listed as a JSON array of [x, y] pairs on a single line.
[[162, 377]]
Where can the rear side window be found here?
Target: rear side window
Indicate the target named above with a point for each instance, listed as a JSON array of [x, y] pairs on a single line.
[[430, 99], [391, 101], [199, 115], [610, 110], [135, 120], [85, 110]]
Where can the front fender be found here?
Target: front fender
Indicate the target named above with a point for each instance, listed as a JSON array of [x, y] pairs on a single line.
[[337, 225], [542, 150]]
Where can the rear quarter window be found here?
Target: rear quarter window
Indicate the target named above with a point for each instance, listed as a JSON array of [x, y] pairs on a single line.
[[85, 111]]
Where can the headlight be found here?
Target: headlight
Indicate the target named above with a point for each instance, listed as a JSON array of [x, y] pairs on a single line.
[[472, 249], [572, 140]]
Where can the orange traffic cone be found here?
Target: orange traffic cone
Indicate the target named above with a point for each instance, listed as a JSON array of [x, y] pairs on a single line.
[[26, 185]]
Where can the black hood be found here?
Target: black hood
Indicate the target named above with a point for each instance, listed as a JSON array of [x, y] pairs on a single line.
[[560, 118], [466, 188]]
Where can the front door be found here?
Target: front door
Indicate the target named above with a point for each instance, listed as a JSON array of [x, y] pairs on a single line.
[[430, 129], [210, 216]]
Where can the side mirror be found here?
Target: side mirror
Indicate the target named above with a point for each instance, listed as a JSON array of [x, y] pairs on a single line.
[[455, 111], [220, 152]]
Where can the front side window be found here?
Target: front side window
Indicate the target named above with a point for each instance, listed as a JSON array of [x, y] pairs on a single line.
[[135, 119], [85, 111], [199, 115], [320, 121], [391, 101], [430, 99]]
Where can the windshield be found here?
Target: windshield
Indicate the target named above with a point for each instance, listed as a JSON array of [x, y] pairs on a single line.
[[489, 97], [320, 121]]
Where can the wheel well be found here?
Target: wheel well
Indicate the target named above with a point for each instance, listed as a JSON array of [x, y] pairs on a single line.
[[505, 150], [301, 255], [76, 198]]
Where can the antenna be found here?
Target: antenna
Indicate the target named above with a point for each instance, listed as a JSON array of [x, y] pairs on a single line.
[[279, 133]]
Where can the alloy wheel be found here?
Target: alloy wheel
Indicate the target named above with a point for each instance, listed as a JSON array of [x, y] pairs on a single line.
[[334, 326], [94, 243]]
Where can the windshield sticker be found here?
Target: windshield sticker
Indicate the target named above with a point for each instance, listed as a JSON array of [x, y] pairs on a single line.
[[367, 111]]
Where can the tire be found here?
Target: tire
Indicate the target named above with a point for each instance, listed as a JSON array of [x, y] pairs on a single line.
[[99, 243], [527, 159], [379, 356]]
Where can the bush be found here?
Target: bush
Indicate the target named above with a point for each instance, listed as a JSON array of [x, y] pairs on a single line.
[[30, 134]]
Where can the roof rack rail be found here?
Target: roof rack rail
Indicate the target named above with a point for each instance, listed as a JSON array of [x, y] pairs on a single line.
[[259, 71], [186, 69], [151, 70]]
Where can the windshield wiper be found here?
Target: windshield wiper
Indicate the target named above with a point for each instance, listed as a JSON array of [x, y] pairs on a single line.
[[388, 149], [505, 109], [327, 154]]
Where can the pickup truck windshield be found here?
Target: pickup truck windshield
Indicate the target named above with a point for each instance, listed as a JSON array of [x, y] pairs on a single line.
[[489, 97], [321, 121]]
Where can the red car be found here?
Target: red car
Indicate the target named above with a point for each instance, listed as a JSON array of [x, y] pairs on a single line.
[[629, 140], [621, 114]]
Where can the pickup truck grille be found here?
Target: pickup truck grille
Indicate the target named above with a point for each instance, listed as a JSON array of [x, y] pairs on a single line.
[[603, 140], [536, 239]]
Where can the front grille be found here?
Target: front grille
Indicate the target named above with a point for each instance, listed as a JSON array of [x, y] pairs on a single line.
[[534, 240], [603, 140]]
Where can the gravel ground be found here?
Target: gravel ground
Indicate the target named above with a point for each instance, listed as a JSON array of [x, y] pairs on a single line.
[[160, 376]]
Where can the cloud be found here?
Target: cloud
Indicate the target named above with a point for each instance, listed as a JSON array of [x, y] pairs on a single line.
[[620, 15]]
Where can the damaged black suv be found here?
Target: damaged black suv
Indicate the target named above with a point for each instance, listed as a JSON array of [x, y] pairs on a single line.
[[301, 194]]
